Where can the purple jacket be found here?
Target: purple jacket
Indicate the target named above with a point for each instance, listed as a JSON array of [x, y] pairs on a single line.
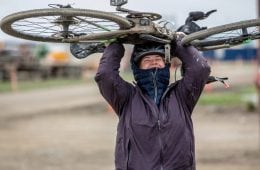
[[151, 137]]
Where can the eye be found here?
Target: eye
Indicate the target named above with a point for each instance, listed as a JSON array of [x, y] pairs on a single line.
[[159, 59], [147, 60]]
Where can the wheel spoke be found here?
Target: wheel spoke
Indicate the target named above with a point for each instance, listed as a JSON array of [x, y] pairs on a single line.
[[93, 23], [47, 26], [33, 26], [242, 33]]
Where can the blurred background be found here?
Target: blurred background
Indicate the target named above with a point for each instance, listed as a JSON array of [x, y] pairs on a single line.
[[52, 116]]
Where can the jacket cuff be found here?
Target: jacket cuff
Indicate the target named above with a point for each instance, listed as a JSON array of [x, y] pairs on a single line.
[[116, 45]]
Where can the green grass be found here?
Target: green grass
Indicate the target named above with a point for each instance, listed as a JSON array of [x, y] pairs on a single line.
[[227, 97], [40, 84], [128, 76], [221, 98]]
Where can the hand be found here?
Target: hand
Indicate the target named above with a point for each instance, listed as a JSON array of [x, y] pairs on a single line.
[[176, 42], [85, 49], [114, 40], [180, 36]]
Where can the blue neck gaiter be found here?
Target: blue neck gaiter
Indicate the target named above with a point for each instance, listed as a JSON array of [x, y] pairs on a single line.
[[152, 82]]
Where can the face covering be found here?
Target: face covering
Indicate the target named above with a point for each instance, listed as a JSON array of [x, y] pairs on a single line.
[[152, 82]]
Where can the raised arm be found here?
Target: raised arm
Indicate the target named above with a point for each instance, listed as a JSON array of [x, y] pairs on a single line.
[[113, 88], [195, 74]]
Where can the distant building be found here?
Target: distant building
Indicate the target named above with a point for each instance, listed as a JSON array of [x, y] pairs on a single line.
[[240, 54], [245, 54]]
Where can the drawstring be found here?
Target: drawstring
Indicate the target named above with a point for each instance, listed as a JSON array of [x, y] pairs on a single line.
[[167, 49]]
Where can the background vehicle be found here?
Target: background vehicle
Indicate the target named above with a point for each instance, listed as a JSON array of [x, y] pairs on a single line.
[[33, 61]]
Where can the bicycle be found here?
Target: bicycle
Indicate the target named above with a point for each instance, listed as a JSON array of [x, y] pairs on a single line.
[[64, 24]]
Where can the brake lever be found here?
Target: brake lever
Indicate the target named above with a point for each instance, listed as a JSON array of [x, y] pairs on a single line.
[[222, 80], [190, 26], [209, 13], [212, 79], [198, 15]]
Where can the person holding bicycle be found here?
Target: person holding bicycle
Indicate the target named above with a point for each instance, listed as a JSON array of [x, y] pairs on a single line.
[[155, 130]]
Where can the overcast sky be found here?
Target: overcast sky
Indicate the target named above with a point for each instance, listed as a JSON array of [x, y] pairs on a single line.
[[175, 10]]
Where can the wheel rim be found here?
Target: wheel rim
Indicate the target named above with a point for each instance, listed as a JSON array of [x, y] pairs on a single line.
[[232, 37], [203, 38], [58, 27], [54, 27]]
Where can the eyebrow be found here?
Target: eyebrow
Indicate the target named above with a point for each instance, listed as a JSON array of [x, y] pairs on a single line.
[[157, 56]]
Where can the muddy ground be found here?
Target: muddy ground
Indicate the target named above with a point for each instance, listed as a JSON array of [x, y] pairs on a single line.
[[72, 129], [83, 139]]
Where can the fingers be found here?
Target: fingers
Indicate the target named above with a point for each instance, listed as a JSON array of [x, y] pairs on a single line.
[[180, 35]]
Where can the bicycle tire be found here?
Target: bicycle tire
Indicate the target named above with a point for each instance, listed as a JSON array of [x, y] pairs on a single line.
[[7, 24], [199, 39]]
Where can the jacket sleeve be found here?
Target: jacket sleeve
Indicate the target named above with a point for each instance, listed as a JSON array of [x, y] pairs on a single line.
[[113, 88], [195, 75]]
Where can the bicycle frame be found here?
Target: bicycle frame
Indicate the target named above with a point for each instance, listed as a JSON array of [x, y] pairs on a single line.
[[142, 24]]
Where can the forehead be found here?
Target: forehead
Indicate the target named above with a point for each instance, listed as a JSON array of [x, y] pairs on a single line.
[[153, 56]]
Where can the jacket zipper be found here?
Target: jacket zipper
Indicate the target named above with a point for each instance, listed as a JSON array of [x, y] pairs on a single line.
[[155, 85], [160, 143], [158, 120], [166, 91]]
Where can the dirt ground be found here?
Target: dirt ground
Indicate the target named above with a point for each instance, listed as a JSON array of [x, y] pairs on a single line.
[[83, 139], [73, 135]]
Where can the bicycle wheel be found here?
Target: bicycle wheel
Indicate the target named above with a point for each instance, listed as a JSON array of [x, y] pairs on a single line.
[[63, 25], [225, 36]]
